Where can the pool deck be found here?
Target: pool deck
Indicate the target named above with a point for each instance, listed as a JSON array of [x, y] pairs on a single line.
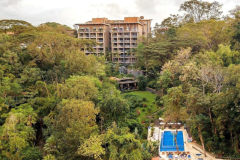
[[188, 146]]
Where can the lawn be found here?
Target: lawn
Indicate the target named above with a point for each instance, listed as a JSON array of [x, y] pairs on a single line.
[[149, 102]]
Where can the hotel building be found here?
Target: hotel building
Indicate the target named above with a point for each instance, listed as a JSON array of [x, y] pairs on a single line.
[[119, 37]]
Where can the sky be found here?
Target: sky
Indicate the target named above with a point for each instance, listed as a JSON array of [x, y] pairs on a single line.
[[70, 12]]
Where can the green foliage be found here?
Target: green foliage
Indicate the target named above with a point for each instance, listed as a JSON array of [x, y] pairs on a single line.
[[135, 100], [142, 83], [114, 109], [201, 10], [15, 26], [123, 145], [57, 103], [31, 153], [152, 84], [144, 99]]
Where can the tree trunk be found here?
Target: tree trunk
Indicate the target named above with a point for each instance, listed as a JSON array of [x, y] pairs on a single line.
[[39, 137], [175, 138], [200, 136], [232, 139], [211, 120], [146, 66], [236, 148]]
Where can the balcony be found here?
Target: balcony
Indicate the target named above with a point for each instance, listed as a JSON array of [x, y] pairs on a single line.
[[100, 35], [127, 45], [134, 45], [80, 30], [127, 35], [125, 62], [133, 35], [87, 30], [92, 36], [100, 40], [124, 30], [114, 35]]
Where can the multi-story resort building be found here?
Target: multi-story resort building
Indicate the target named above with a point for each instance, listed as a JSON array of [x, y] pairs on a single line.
[[119, 37]]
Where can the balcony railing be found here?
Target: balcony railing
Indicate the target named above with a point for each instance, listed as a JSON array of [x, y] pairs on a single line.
[[133, 35], [86, 30], [114, 35], [127, 45], [125, 62], [124, 30], [100, 40], [134, 45], [127, 35]]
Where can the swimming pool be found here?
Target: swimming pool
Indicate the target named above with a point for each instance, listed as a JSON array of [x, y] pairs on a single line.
[[168, 143]]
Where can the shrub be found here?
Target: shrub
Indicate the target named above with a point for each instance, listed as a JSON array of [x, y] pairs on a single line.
[[149, 109], [129, 75], [152, 84], [144, 134], [160, 113], [144, 99], [145, 105], [142, 83], [147, 121], [143, 110], [135, 100]]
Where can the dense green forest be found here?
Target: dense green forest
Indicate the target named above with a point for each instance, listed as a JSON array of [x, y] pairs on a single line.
[[193, 60], [58, 103]]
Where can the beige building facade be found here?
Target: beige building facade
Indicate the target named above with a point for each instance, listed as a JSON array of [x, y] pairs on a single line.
[[119, 37]]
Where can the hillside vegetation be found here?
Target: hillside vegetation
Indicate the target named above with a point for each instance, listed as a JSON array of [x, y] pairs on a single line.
[[58, 103]]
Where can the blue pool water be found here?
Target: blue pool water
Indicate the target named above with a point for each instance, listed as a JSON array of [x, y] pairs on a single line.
[[168, 143]]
